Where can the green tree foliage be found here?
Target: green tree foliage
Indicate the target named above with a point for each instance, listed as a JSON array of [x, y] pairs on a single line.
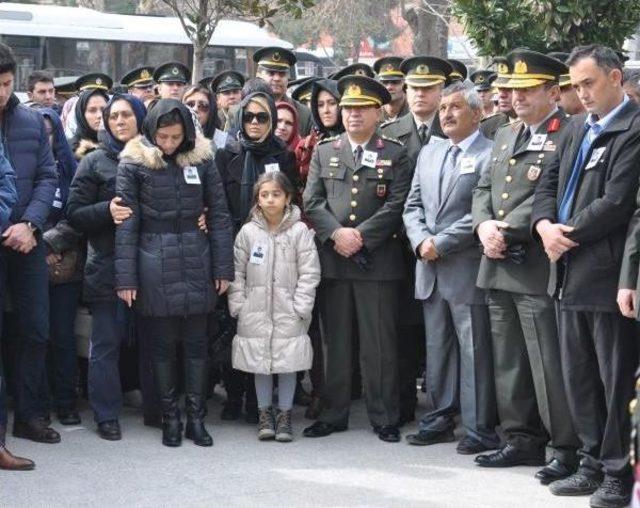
[[499, 25]]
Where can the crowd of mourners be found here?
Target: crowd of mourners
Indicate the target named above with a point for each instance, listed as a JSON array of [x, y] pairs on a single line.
[[389, 229]]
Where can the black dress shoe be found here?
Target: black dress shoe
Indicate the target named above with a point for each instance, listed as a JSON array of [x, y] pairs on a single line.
[[554, 470], [429, 437], [469, 445], [36, 430], [509, 456], [388, 433], [69, 418], [614, 492], [322, 429], [110, 430], [583, 482]]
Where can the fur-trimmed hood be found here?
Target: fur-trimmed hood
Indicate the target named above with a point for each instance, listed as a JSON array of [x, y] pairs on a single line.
[[140, 151], [85, 146]]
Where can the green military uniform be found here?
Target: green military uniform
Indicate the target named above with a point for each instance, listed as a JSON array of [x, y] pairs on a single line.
[[356, 300], [420, 71], [528, 375], [490, 125], [223, 82], [388, 70], [274, 58]]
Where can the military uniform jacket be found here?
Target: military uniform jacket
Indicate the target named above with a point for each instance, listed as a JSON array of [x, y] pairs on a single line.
[[403, 111], [404, 129], [370, 199], [505, 192], [490, 125], [603, 205]]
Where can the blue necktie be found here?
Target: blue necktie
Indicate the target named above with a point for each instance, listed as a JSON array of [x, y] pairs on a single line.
[[566, 204], [448, 170]]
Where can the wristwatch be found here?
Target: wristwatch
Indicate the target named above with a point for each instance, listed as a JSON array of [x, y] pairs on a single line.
[[32, 227]]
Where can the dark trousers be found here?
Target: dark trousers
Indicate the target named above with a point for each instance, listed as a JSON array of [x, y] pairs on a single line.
[[108, 330], [63, 305], [530, 393], [459, 368], [371, 308], [27, 279], [599, 352], [316, 374]]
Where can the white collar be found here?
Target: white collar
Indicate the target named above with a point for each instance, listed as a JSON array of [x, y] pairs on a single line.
[[354, 145], [466, 143], [428, 122]]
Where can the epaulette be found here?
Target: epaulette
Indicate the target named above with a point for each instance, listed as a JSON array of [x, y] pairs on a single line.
[[326, 140], [387, 123], [393, 140]]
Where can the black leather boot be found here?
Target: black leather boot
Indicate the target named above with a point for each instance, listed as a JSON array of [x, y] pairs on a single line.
[[165, 374], [196, 374]]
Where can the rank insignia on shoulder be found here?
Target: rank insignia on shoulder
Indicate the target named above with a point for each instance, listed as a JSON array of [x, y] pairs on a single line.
[[534, 173], [554, 125], [327, 140], [393, 140]]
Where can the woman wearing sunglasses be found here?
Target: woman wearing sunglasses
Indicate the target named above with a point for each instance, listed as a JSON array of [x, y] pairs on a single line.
[[202, 102], [255, 151]]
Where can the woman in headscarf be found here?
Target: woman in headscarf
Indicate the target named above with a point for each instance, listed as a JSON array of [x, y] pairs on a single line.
[[327, 122], [65, 257], [171, 269], [88, 115], [93, 208], [256, 151], [287, 127], [203, 103]]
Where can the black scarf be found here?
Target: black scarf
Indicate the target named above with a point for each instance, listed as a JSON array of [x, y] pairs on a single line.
[[84, 130], [330, 86], [163, 107], [257, 154]]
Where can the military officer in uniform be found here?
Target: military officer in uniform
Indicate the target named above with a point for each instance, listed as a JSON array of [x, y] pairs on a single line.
[[94, 81], [172, 79], [354, 198], [569, 100], [529, 387], [302, 92], [355, 69], [483, 83], [459, 72], [139, 82], [390, 75], [424, 77], [65, 87], [505, 113], [274, 66], [227, 87]]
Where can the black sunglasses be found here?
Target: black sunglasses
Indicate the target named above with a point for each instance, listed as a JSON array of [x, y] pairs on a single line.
[[201, 105], [248, 117]]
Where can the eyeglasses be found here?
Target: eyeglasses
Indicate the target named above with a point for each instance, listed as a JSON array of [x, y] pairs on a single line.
[[249, 117], [201, 105]]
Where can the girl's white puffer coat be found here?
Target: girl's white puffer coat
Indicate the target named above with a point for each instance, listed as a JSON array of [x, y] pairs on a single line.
[[276, 275]]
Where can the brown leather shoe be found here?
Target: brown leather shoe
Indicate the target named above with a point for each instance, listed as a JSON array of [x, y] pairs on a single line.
[[10, 462]]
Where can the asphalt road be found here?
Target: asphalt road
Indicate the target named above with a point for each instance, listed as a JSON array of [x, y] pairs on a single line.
[[350, 469]]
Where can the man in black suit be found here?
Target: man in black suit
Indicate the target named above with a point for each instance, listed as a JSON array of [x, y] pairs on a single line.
[[582, 208]]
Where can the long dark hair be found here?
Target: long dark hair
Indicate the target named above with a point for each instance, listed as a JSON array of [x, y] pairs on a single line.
[[277, 177]]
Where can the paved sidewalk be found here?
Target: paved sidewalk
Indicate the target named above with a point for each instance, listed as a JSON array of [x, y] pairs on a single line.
[[350, 469]]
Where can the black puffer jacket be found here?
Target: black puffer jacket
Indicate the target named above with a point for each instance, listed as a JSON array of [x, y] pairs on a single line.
[[159, 250], [92, 189]]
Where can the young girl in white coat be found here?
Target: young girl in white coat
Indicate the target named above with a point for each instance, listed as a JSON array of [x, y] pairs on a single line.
[[277, 270]]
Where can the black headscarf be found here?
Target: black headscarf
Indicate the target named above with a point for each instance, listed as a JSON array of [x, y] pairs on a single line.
[[257, 153], [107, 139], [330, 86], [164, 107], [84, 131]]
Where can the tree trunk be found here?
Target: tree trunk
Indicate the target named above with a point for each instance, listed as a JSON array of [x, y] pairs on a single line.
[[430, 32], [198, 63]]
